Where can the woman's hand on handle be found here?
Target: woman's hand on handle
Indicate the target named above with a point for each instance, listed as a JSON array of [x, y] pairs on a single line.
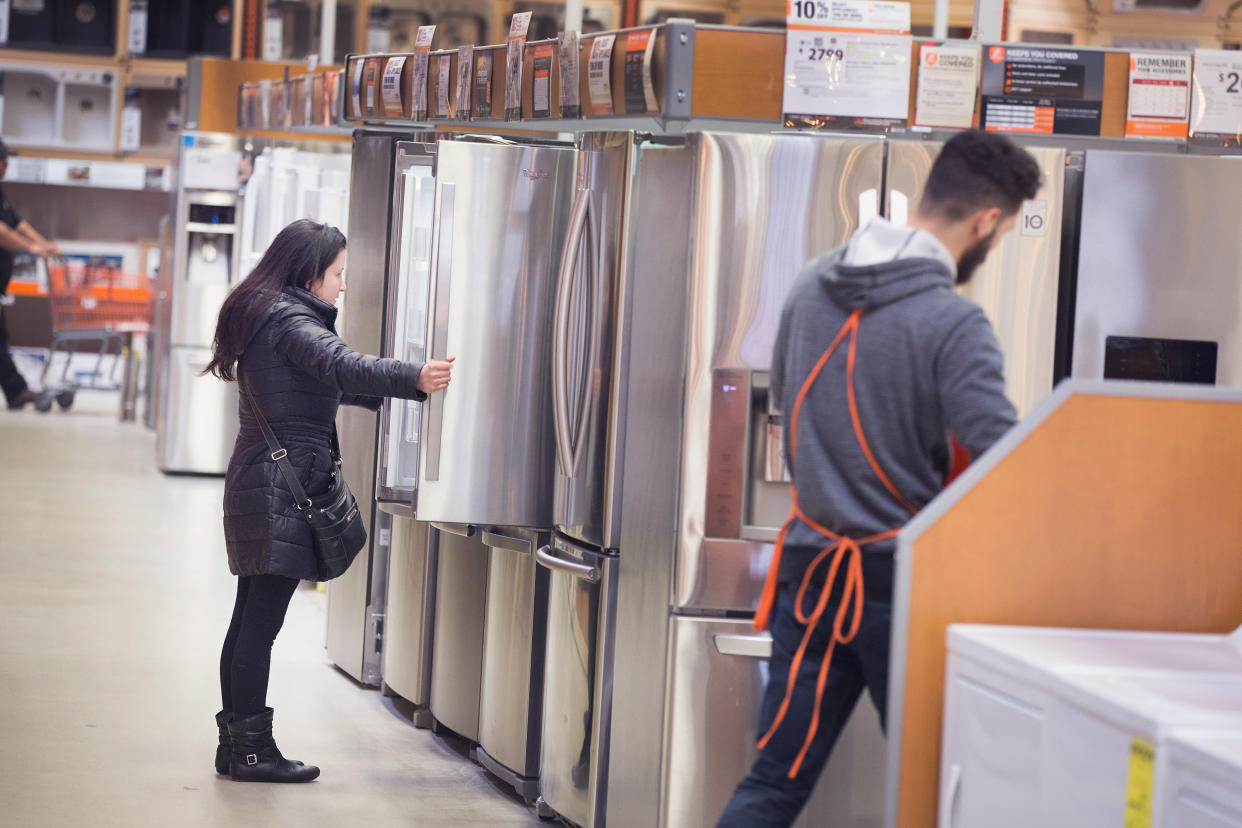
[[435, 375]]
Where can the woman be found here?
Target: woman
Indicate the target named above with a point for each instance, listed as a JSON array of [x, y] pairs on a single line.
[[275, 336]]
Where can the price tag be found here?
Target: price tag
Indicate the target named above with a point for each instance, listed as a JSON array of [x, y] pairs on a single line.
[[372, 81], [640, 97], [444, 70], [137, 40], [571, 106], [948, 86], [599, 74], [265, 102], [273, 37], [392, 85], [518, 28], [4, 21], [483, 84], [131, 121], [541, 92], [422, 57], [1035, 218], [1159, 104], [847, 59], [356, 87], [465, 77], [1218, 93]]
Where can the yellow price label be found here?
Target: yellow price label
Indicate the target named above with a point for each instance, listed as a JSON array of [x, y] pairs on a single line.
[[1139, 783]]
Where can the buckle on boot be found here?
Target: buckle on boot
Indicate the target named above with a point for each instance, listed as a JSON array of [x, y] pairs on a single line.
[[252, 759]]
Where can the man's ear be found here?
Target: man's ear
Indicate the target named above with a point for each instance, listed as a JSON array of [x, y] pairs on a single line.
[[986, 221]]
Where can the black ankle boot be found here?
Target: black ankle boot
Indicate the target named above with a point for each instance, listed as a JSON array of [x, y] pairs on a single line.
[[255, 757], [226, 742]]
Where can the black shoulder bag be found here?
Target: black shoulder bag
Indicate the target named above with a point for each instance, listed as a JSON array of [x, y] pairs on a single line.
[[335, 521]]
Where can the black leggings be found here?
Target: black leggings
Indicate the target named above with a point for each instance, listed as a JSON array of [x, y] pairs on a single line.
[[246, 659]]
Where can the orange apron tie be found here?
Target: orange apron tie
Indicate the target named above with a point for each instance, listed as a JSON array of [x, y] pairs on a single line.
[[844, 551]]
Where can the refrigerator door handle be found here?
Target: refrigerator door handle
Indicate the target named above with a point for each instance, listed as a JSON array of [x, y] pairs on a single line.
[[597, 287], [545, 557], [749, 646], [560, 332], [948, 797], [500, 540], [441, 283]]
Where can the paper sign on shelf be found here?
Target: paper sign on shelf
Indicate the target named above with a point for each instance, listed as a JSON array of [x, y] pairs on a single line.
[[640, 97], [465, 80], [137, 39], [422, 56], [541, 82], [443, 78], [1042, 90], [948, 86], [483, 84], [846, 59], [599, 74], [131, 121], [392, 85], [1159, 96], [371, 80], [356, 87], [1217, 106], [514, 52], [273, 36], [4, 21], [571, 105]]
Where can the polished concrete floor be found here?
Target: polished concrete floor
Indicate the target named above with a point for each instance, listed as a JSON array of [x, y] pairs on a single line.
[[114, 597]]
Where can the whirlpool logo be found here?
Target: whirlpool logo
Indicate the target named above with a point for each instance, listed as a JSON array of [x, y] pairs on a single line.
[[535, 175]]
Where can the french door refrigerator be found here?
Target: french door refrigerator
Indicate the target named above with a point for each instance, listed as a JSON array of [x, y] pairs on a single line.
[[356, 600], [485, 468], [409, 616], [705, 490], [1020, 285]]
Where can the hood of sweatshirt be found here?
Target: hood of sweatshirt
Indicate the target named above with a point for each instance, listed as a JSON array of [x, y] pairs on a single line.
[[883, 264]]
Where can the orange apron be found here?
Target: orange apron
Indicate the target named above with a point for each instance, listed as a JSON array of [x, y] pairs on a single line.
[[844, 551]]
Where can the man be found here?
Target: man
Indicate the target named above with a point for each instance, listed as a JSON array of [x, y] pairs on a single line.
[[881, 369], [16, 236]]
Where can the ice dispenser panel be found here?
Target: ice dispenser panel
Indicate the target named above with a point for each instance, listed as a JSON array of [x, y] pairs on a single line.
[[748, 494], [210, 233]]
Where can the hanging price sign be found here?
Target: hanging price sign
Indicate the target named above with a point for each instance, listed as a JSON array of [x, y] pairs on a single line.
[[393, 73], [514, 52], [1159, 96], [599, 74], [465, 80], [1217, 104], [846, 59], [570, 89], [422, 57]]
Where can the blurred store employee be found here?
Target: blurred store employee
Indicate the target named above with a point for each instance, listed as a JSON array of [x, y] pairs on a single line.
[[885, 374], [276, 337], [16, 236]]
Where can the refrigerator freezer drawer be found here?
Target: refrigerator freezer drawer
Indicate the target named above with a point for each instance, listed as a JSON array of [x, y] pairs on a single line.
[[511, 694], [457, 654], [201, 424], [410, 615], [577, 687], [717, 673]]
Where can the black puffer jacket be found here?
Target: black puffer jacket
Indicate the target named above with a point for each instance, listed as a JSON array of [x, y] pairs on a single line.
[[298, 371]]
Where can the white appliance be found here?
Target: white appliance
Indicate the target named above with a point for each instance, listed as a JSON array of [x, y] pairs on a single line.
[[1041, 727], [1199, 780]]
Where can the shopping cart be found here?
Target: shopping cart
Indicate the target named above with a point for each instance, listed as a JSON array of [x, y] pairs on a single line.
[[92, 301]]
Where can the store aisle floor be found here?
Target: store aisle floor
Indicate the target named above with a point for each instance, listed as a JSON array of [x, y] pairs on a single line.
[[114, 598]]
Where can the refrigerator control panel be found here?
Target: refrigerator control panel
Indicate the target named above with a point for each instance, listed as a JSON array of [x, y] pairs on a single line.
[[1160, 360]]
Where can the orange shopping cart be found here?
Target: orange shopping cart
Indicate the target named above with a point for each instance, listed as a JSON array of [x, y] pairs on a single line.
[[93, 301]]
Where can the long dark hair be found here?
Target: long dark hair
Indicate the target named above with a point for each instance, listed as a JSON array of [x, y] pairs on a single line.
[[297, 257]]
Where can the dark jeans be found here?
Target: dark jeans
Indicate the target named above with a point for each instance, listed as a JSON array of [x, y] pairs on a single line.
[[767, 797], [10, 378], [246, 660]]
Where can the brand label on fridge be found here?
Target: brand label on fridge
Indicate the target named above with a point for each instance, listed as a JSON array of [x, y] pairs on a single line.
[[1042, 90], [1159, 96], [1218, 93], [948, 86], [847, 59]]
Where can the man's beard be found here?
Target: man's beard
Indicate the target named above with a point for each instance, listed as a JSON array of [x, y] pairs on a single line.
[[973, 257]]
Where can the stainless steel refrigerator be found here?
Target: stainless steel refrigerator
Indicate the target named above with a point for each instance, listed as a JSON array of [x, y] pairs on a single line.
[[412, 561], [196, 424], [356, 600], [1019, 287], [485, 467], [1159, 277], [721, 228]]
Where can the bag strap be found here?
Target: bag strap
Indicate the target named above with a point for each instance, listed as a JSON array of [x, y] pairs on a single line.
[[280, 455]]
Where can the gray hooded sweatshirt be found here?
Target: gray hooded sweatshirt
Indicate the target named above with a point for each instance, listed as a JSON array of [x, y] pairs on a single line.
[[928, 367]]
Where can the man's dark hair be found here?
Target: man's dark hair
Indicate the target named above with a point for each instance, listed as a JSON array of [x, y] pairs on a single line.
[[977, 171]]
